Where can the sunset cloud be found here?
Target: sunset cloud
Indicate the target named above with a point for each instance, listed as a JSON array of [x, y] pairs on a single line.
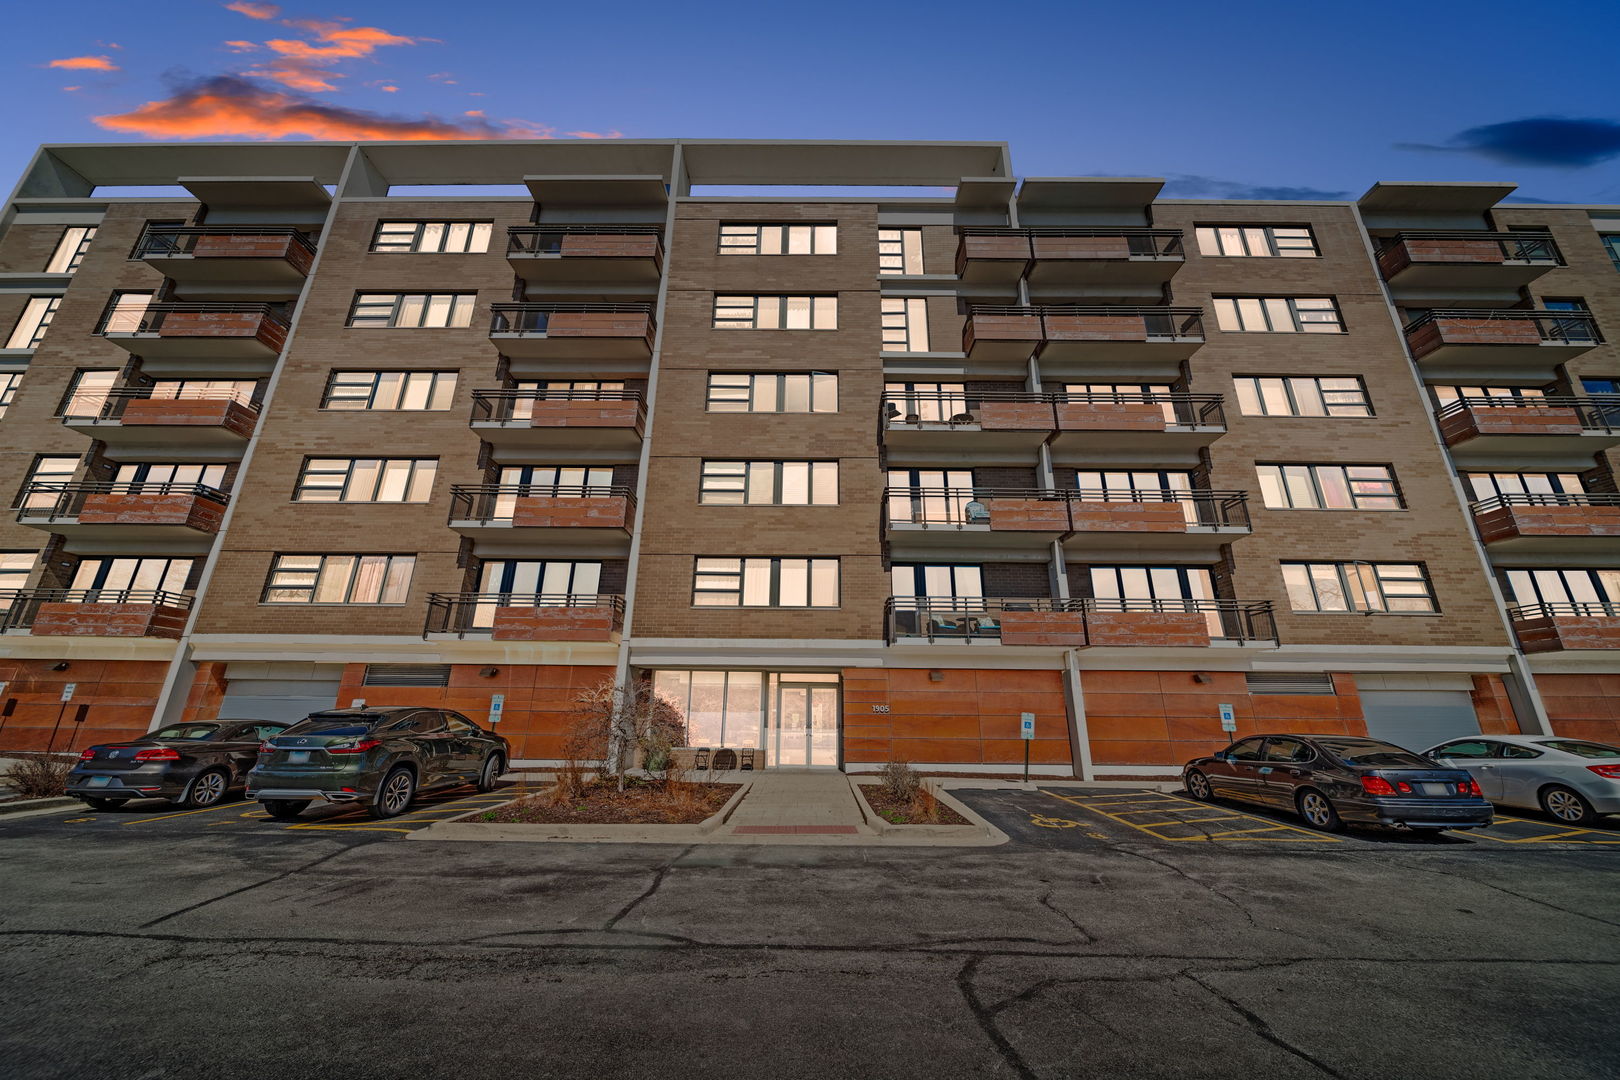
[[615, 134], [305, 65], [252, 10], [85, 63], [225, 105]]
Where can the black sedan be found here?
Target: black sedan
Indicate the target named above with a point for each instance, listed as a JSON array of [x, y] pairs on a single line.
[[1330, 780], [193, 765]]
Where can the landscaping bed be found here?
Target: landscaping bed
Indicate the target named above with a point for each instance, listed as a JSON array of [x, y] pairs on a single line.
[[901, 811], [640, 803]]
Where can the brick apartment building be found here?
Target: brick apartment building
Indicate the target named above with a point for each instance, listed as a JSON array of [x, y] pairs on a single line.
[[849, 477]]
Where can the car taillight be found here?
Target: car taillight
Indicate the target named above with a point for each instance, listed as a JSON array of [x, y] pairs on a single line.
[[88, 754], [267, 747], [1608, 772], [1377, 785], [1403, 787], [357, 747], [162, 753], [1470, 787]]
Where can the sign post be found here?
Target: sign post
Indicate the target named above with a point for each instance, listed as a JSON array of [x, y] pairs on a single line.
[[1026, 731], [497, 704], [1228, 718]]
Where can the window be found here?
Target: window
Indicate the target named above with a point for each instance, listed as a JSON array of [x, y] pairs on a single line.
[[765, 583], [52, 471], [1151, 583], [1564, 586], [547, 578], [339, 579], [455, 237], [815, 392], [1302, 395], [415, 310], [1278, 314], [1611, 243], [401, 480], [921, 496], [8, 388], [87, 393], [1358, 586], [925, 402], [1329, 487], [1511, 396], [1137, 391], [159, 574], [36, 317], [1138, 486], [769, 483], [70, 249], [15, 566], [778, 239], [939, 581], [233, 389], [207, 475], [1490, 485], [905, 325], [390, 390], [900, 251], [775, 312], [1256, 241], [1469, 748]]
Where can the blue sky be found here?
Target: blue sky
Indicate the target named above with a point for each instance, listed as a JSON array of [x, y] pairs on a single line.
[[1238, 100]]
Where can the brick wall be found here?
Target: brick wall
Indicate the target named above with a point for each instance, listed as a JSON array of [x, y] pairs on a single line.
[[121, 695], [970, 717]]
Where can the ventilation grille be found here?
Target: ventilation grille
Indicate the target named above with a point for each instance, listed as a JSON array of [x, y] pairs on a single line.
[[1290, 683], [407, 675]]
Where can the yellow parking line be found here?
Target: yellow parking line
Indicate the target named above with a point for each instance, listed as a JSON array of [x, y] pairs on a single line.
[[182, 813], [348, 828], [1150, 828]]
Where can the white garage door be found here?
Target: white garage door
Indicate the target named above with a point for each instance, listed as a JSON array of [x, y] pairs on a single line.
[[277, 699], [1417, 719]]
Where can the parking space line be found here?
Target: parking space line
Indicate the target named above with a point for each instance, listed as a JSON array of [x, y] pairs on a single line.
[[1172, 807], [182, 813]]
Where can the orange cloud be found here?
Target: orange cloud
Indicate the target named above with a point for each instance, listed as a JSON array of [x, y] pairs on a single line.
[[302, 65], [389, 89], [241, 46], [615, 134], [85, 63], [252, 10], [229, 106]]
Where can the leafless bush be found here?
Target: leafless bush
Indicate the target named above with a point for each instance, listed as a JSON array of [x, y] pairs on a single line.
[[618, 727], [39, 778], [899, 780], [925, 805]]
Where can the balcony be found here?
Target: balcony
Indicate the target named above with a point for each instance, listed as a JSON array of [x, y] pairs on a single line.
[[1009, 425], [201, 424], [1549, 431], [509, 520], [527, 616], [1553, 528], [1484, 343], [232, 340], [562, 338], [124, 517], [1565, 626], [228, 262], [583, 425], [1143, 342], [1435, 262], [1012, 522], [1076, 623], [1123, 263], [550, 256], [140, 613]]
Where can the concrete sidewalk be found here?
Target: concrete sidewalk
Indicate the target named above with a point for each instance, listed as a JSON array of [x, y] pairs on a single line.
[[808, 803]]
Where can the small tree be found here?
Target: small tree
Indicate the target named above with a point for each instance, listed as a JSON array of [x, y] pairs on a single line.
[[619, 725]]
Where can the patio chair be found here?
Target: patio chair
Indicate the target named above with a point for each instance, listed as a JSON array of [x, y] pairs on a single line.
[[745, 757], [976, 513], [700, 760], [725, 760]]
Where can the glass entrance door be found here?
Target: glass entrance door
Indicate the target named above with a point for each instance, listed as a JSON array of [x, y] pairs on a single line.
[[804, 729]]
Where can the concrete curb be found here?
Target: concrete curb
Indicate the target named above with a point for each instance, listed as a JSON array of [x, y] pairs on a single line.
[[979, 834], [461, 829], [25, 805]]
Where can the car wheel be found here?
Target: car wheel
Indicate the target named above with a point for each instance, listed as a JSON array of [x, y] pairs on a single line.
[[1566, 805], [1198, 786], [103, 804], [284, 808], [394, 794], [208, 789], [1318, 813], [492, 772]]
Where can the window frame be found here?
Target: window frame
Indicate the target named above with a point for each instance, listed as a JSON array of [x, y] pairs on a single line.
[[758, 302], [327, 397], [910, 241], [709, 482], [397, 304], [46, 307], [1314, 478], [9, 381], [419, 234], [414, 467], [76, 255], [1288, 388], [819, 231], [1274, 249], [773, 569], [779, 391], [320, 570], [911, 328], [1358, 580], [1297, 325]]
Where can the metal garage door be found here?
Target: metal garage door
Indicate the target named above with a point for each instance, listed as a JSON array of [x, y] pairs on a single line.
[[277, 699], [1417, 719]]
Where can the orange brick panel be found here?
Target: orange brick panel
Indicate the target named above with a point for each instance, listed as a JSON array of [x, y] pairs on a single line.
[[190, 412], [1082, 247], [1568, 632], [1028, 515], [1065, 628], [1533, 420], [1153, 517], [136, 508], [1487, 331], [1095, 328], [1506, 522], [1453, 251], [1015, 416], [608, 245], [595, 414], [1110, 416], [600, 324], [1161, 628], [1004, 327], [996, 248], [549, 511], [109, 620], [204, 324], [553, 624]]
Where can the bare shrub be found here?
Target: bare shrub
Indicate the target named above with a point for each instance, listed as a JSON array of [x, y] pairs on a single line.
[[39, 778], [925, 806], [899, 780], [680, 793], [618, 727]]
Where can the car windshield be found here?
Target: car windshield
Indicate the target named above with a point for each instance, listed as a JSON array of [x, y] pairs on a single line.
[[333, 725], [185, 731], [1583, 749], [1370, 755]]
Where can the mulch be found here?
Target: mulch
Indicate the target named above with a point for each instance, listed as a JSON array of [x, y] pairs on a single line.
[[900, 811], [640, 803]]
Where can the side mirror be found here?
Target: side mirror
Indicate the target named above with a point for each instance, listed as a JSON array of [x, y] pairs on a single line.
[[1223, 756]]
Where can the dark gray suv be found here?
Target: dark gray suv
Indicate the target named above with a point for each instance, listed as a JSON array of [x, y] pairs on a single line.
[[379, 757]]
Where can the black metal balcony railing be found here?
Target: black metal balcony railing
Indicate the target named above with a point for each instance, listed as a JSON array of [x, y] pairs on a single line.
[[957, 507], [1557, 327], [110, 404], [535, 318], [1528, 247], [56, 501], [20, 607], [1597, 412], [962, 408], [979, 618], [1141, 242], [182, 240], [501, 406], [1169, 323], [496, 502], [1601, 609], [548, 239], [1590, 498], [151, 319], [464, 613]]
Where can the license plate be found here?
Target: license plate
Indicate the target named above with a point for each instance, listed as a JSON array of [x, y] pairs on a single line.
[[100, 781], [298, 757], [1435, 789]]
